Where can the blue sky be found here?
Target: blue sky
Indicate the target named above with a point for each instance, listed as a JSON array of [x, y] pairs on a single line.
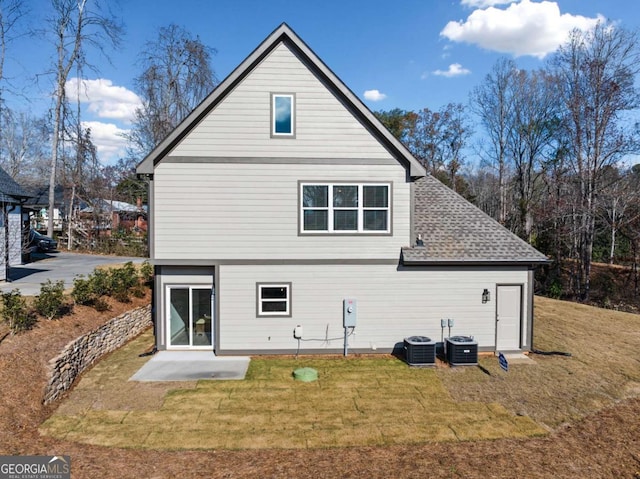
[[408, 54]]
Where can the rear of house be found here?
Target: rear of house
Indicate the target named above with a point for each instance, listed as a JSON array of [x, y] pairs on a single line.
[[282, 203]]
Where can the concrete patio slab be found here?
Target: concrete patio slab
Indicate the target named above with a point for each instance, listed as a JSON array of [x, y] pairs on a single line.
[[191, 366], [519, 358]]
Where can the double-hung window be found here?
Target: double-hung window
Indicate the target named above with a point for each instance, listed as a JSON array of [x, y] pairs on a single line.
[[345, 208], [273, 299], [283, 110]]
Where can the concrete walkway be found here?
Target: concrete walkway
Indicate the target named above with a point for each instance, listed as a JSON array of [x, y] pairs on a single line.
[[56, 266]]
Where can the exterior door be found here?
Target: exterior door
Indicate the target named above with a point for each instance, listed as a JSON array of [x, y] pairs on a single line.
[[509, 317], [189, 317]]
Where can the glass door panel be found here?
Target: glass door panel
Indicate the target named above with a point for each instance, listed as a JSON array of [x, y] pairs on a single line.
[[201, 316], [179, 316], [190, 316]]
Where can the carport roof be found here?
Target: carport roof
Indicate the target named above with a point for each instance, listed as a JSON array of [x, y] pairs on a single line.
[[455, 231]]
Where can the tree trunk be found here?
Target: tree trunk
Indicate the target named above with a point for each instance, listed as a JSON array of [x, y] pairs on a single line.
[[613, 231], [502, 191], [70, 228], [613, 243], [54, 157]]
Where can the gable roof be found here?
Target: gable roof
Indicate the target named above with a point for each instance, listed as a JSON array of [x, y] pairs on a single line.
[[39, 196], [456, 231], [284, 34], [10, 191]]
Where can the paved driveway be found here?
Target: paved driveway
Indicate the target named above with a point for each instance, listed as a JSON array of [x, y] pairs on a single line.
[[56, 266]]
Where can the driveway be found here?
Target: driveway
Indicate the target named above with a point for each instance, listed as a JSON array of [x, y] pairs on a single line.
[[56, 266]]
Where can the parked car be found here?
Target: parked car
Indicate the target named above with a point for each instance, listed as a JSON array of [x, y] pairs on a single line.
[[40, 242]]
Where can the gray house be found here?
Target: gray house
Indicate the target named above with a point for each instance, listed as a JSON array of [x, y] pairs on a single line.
[[281, 203], [14, 223]]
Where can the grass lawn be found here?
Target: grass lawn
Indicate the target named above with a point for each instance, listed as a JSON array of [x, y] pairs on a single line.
[[362, 401]]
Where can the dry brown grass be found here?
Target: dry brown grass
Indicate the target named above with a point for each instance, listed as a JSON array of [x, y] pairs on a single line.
[[603, 369]]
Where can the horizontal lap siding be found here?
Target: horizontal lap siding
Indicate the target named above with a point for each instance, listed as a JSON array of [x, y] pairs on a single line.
[[250, 211], [240, 125], [392, 304]]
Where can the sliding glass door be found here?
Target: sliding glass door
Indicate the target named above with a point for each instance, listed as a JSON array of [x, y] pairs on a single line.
[[189, 316]]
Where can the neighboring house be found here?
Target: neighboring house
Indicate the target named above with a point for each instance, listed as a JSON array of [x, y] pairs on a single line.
[[38, 208], [281, 196], [113, 215], [14, 228]]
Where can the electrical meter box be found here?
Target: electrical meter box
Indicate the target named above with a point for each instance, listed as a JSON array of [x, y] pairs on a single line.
[[350, 313]]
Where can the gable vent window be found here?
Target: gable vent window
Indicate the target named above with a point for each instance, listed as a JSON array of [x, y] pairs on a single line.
[[283, 115], [345, 208], [274, 300]]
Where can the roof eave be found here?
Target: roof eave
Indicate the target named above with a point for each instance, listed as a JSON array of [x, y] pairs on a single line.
[[476, 262]]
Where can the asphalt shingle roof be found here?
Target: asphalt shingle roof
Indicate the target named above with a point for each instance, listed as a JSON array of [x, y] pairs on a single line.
[[10, 191], [455, 231]]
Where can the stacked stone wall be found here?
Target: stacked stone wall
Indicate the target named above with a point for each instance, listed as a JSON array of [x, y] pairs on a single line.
[[84, 351]]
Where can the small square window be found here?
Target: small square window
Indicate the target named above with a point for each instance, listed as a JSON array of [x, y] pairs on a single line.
[[282, 115], [274, 300]]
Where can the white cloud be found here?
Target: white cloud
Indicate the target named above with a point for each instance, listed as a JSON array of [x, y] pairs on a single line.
[[374, 95], [108, 139], [104, 99], [524, 28], [484, 3], [454, 70]]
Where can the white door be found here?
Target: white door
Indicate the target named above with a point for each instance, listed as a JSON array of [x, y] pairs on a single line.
[[508, 318]]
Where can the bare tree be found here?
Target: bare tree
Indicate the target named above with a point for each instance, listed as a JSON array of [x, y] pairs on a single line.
[[435, 138], [176, 77], [23, 145], [11, 12], [596, 71], [76, 25], [492, 102], [531, 140], [454, 135], [619, 195]]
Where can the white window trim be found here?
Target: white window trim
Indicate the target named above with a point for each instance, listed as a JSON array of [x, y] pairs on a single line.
[[167, 319], [274, 134], [259, 301], [330, 208]]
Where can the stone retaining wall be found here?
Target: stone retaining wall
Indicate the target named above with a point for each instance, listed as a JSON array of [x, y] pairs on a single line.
[[82, 352]]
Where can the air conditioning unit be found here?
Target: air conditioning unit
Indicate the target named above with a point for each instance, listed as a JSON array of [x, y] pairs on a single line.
[[461, 351], [419, 351]]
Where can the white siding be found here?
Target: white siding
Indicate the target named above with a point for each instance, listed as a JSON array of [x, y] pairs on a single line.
[[240, 126], [392, 304], [250, 211], [15, 237]]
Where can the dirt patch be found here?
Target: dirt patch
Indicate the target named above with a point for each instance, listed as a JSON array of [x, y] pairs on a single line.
[[603, 445]]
